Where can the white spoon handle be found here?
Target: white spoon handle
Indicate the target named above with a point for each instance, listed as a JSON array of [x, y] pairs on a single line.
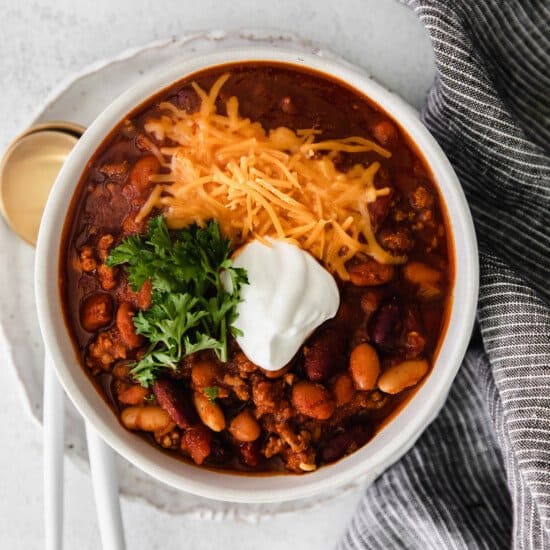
[[104, 479], [54, 424]]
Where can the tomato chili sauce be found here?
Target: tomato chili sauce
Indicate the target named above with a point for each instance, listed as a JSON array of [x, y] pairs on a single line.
[[399, 314]]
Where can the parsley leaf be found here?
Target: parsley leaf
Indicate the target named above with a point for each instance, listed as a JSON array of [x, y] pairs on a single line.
[[191, 310], [211, 393]]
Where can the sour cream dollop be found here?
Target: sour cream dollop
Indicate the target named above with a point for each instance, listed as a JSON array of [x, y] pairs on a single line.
[[289, 295]]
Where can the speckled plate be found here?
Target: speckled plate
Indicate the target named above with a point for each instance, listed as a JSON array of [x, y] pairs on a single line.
[[80, 99]]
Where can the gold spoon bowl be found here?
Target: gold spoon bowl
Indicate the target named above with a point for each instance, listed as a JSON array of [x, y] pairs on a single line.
[[28, 170]]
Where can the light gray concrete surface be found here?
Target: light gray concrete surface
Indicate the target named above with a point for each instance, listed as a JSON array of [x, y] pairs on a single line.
[[43, 42]]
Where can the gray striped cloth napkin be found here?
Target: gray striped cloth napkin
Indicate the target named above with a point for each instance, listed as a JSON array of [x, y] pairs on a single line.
[[479, 477]]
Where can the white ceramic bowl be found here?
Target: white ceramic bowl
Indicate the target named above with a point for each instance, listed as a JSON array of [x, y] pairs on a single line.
[[395, 438]]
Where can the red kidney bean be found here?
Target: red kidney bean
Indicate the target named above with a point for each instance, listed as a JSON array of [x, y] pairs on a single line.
[[324, 354], [385, 323], [172, 397], [197, 442], [345, 442], [379, 210]]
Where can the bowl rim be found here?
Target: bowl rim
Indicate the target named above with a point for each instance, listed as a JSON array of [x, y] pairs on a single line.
[[398, 435]]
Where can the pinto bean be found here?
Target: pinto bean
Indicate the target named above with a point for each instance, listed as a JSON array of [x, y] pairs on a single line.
[[96, 311], [364, 366], [342, 389], [142, 170], [324, 354], [346, 442], [147, 419], [429, 292], [384, 325], [197, 443], [244, 427], [366, 271], [134, 395], [402, 375], [173, 399], [427, 278], [418, 273], [209, 412], [312, 400], [125, 324]]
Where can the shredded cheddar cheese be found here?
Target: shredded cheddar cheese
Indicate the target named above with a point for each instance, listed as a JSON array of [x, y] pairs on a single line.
[[282, 183]]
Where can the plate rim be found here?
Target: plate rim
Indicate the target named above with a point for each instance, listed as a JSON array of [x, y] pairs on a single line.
[[385, 449], [253, 35]]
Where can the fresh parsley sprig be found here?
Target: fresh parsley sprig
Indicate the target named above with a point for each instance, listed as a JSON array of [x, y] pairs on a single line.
[[191, 310]]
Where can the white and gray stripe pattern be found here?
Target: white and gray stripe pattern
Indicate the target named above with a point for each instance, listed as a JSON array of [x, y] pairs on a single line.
[[480, 475]]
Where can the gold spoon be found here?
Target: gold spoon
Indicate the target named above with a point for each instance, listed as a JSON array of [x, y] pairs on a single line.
[[28, 170]]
